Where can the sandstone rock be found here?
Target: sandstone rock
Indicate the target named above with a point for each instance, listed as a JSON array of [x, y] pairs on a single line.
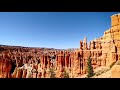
[[115, 73], [24, 73], [103, 52]]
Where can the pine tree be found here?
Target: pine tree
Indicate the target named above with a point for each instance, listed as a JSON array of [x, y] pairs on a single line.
[[89, 68], [52, 73], [65, 74]]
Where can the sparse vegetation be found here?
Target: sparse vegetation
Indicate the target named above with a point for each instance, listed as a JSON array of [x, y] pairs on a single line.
[[101, 72], [65, 74], [90, 68], [52, 73], [112, 64]]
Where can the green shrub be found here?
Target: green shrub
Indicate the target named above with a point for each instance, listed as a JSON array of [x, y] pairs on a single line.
[[89, 68], [65, 74], [52, 73]]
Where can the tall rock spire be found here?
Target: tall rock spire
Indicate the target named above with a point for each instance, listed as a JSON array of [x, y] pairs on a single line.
[[85, 40], [81, 44], [85, 43]]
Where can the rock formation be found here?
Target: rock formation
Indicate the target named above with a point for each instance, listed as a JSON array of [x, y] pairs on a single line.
[[22, 62]]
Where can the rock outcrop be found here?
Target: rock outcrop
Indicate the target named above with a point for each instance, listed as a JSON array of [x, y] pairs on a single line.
[[115, 72], [22, 62]]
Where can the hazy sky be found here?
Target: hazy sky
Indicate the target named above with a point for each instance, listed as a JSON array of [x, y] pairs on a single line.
[[52, 29]]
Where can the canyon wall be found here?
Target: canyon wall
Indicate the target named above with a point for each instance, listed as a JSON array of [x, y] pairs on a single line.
[[35, 63]]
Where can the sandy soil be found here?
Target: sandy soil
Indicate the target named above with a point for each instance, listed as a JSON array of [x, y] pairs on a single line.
[[107, 74]]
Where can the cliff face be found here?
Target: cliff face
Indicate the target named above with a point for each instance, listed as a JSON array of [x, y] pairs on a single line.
[[18, 62], [5, 68]]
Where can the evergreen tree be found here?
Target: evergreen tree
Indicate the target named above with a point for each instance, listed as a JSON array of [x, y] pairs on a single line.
[[89, 68], [65, 74], [52, 73]]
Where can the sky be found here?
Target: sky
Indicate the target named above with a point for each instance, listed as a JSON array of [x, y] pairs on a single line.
[[60, 30]]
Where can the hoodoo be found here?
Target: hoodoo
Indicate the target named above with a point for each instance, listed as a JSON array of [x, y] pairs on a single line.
[[19, 62]]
